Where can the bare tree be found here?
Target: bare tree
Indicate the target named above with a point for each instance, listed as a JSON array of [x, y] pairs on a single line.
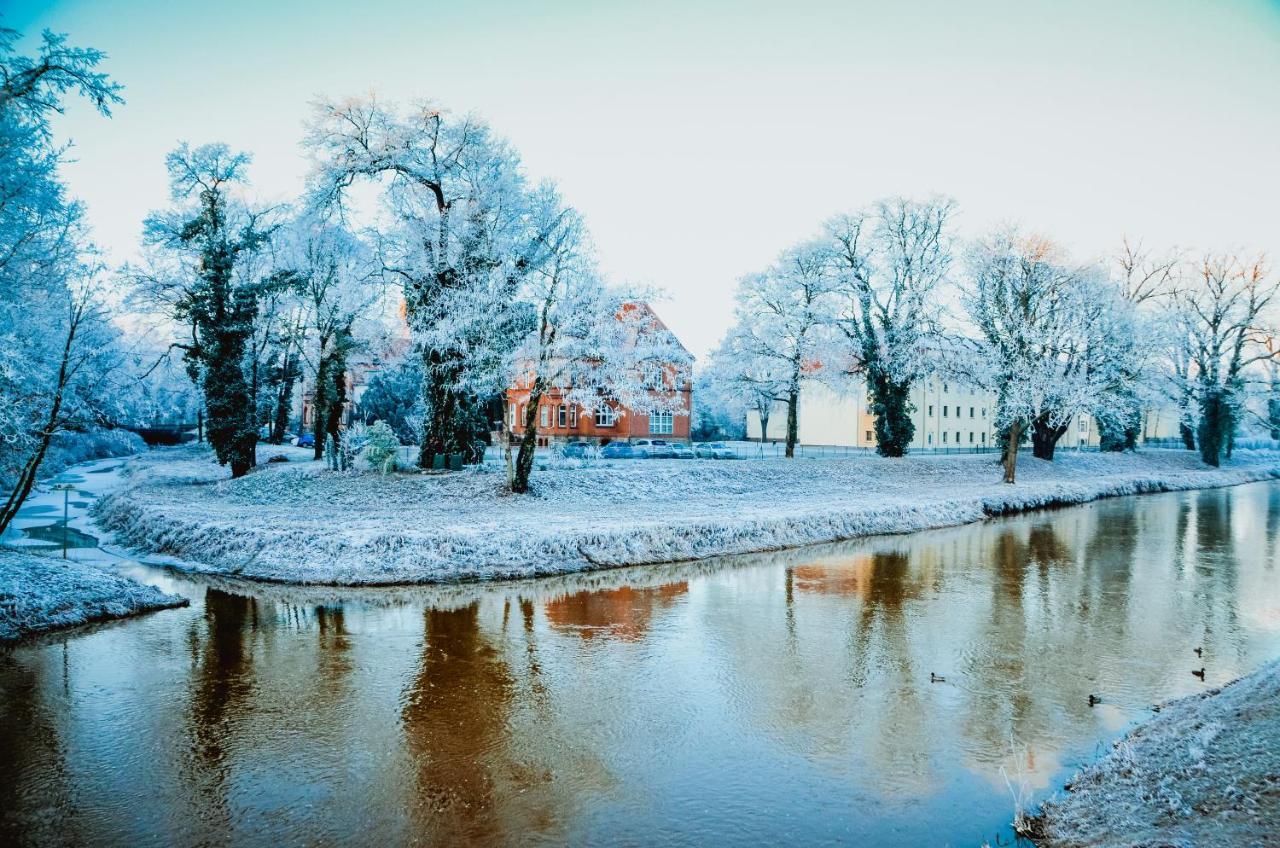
[[784, 316], [1228, 304], [892, 260]]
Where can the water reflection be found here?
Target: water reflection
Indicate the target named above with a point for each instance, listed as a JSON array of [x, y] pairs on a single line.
[[765, 698]]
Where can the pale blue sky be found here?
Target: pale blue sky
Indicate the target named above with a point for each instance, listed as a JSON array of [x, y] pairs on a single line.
[[701, 138]]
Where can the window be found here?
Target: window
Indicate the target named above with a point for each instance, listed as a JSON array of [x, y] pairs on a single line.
[[930, 439], [946, 387], [970, 437], [984, 438], [944, 437], [543, 416], [984, 412], [945, 410], [513, 415], [573, 416], [971, 412], [562, 416], [524, 413], [653, 377], [957, 437], [605, 416], [930, 410], [660, 423], [870, 437]]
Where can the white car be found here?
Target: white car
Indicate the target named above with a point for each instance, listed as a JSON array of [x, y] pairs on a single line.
[[714, 450]]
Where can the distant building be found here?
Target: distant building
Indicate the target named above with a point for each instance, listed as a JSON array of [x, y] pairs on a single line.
[[947, 414], [560, 421]]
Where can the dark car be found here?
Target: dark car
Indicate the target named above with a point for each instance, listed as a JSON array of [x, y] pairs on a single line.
[[576, 450], [617, 450], [306, 440]]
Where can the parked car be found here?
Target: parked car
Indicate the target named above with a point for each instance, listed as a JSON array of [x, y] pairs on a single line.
[[576, 450], [714, 450], [306, 440], [618, 450], [682, 451], [654, 448]]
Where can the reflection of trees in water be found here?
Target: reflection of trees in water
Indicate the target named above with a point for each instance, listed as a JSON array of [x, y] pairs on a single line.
[[222, 684], [32, 754], [1024, 654], [489, 757], [1215, 576], [833, 675]]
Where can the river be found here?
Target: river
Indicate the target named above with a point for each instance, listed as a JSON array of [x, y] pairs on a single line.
[[782, 697]]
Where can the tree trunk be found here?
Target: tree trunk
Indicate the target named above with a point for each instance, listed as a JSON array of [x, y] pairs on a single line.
[[320, 403], [1188, 435], [1044, 437], [1011, 452], [529, 440], [27, 478], [1215, 426], [793, 421], [200, 426]]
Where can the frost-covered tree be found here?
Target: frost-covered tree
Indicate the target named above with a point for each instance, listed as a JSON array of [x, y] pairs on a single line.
[[741, 380], [1227, 303], [784, 317], [337, 279], [458, 233], [214, 234], [1147, 281], [51, 322], [394, 395], [892, 261], [1038, 320], [592, 346]]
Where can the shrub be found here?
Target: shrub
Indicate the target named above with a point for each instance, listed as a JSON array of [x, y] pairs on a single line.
[[382, 447]]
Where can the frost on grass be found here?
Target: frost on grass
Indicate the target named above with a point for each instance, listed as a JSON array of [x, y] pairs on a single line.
[[40, 593], [298, 522], [1204, 771]]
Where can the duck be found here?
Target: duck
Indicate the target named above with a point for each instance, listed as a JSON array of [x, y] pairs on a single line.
[[933, 678], [1199, 651], [1094, 700], [1199, 674]]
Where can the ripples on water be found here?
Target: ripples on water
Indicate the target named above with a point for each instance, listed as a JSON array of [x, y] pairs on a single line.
[[764, 699]]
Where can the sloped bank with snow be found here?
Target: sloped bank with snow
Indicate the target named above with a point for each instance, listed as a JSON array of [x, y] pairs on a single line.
[[298, 522], [1204, 771], [39, 594]]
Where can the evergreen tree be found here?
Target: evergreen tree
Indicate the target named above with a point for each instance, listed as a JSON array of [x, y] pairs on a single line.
[[220, 303]]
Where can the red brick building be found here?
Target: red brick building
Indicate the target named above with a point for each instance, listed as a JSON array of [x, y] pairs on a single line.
[[560, 421]]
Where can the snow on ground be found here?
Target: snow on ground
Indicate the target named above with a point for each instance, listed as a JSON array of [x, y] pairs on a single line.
[[39, 590], [1204, 771], [40, 593], [299, 522]]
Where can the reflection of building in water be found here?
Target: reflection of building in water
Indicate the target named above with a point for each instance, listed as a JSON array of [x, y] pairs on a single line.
[[625, 613]]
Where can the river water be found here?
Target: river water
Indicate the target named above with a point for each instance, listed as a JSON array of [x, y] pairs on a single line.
[[775, 698]]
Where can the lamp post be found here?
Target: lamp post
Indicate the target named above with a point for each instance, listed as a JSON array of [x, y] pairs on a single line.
[[66, 489]]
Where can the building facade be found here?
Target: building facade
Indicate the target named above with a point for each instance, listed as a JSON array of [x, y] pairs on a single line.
[[948, 415], [559, 420]]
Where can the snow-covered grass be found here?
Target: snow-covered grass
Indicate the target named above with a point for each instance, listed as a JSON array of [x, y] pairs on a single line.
[[39, 593], [298, 522], [1204, 771]]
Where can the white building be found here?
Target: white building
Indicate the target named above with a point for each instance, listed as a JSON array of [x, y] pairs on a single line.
[[947, 414]]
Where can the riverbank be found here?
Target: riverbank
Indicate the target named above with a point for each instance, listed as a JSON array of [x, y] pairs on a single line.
[[298, 522], [1204, 771], [39, 594]]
